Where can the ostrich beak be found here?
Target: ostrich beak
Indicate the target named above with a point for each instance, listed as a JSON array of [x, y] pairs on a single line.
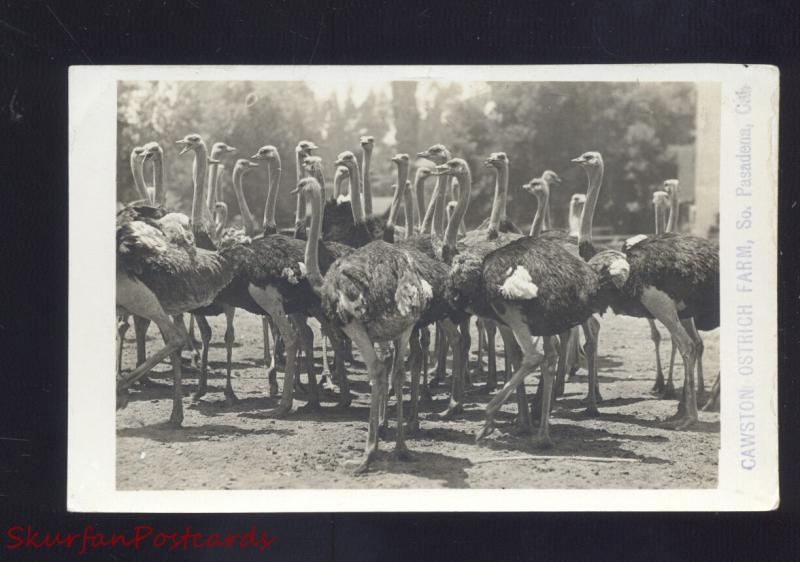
[[184, 144], [578, 160], [340, 162], [212, 161], [556, 178], [424, 154], [440, 170], [231, 149], [256, 156], [252, 164]]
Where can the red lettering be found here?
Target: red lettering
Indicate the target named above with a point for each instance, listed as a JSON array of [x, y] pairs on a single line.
[[11, 535]]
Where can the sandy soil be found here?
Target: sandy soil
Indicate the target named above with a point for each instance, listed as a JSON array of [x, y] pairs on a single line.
[[237, 447]]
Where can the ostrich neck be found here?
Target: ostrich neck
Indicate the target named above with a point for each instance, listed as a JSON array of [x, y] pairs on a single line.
[[574, 219], [409, 203], [674, 210], [158, 178], [499, 199], [419, 201], [355, 194], [250, 222], [367, 183], [442, 188], [396, 200], [450, 237], [338, 180], [199, 178], [300, 209], [547, 224], [659, 219], [273, 186], [211, 185], [137, 170], [541, 211], [427, 221], [313, 273], [595, 176]]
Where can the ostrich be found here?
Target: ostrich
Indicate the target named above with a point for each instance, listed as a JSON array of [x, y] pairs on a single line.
[[276, 276], [301, 151], [531, 285], [673, 278], [218, 150], [156, 154], [158, 276], [220, 218], [339, 178], [346, 222], [376, 294], [138, 155]]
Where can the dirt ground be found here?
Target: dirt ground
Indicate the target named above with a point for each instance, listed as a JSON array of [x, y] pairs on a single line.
[[237, 447]]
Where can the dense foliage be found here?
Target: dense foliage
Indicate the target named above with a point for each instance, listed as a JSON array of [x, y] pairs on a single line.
[[539, 125]]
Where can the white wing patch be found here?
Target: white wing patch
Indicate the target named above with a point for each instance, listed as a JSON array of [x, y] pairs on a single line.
[[633, 240], [619, 271], [302, 268], [288, 274], [177, 228], [519, 284], [427, 290], [413, 294], [343, 199]]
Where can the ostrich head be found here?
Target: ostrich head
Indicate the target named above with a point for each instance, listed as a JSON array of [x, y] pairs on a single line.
[[437, 154], [308, 185], [242, 165], [313, 165], [152, 148], [348, 160], [266, 152], [191, 141], [537, 187], [589, 159], [138, 154], [578, 199], [551, 177], [670, 186], [401, 160], [305, 147], [220, 148], [497, 160], [343, 172], [457, 167], [424, 172], [367, 142], [221, 212], [660, 199]]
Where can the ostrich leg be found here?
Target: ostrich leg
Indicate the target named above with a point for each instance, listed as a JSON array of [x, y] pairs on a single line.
[[574, 353], [140, 326], [339, 353], [491, 355], [699, 347], [205, 335], [136, 298], [269, 359], [192, 343], [663, 308], [307, 345], [457, 340], [377, 375], [398, 370], [270, 301], [531, 360], [564, 351], [415, 363], [122, 329], [230, 337], [591, 330], [425, 344], [466, 343], [478, 372], [713, 400], [513, 360], [658, 387], [548, 369], [440, 348]]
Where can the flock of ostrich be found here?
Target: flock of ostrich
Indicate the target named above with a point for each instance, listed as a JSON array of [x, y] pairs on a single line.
[[370, 282]]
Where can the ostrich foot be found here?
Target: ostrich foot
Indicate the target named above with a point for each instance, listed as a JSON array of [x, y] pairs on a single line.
[[680, 423], [591, 412], [702, 396], [713, 403], [585, 399], [454, 409], [309, 408], [175, 419], [230, 398], [658, 386], [280, 412], [201, 391], [402, 454], [273, 389], [425, 394], [147, 382], [521, 430], [543, 441], [412, 426], [363, 468], [487, 429], [123, 396], [669, 392]]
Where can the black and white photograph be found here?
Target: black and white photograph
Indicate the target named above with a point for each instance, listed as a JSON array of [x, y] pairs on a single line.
[[443, 283]]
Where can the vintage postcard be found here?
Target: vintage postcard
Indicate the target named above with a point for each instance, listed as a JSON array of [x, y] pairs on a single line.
[[490, 288]]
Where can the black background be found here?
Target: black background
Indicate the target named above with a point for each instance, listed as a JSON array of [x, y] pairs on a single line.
[[38, 41]]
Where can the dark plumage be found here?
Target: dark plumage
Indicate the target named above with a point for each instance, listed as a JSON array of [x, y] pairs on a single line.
[[338, 225], [685, 267], [567, 286]]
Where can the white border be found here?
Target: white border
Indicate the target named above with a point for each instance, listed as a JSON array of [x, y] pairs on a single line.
[[92, 152]]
